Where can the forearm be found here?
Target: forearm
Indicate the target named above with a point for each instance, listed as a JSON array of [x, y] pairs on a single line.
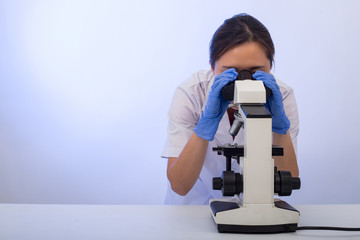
[[184, 171], [288, 161]]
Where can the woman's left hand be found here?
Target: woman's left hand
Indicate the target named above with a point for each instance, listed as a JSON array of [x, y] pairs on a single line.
[[280, 122]]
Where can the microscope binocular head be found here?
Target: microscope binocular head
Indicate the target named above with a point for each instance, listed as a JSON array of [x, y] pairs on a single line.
[[228, 90]]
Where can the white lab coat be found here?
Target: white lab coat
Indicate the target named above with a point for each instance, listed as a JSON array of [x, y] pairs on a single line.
[[186, 108]]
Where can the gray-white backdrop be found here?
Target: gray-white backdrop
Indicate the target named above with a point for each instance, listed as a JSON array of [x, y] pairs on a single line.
[[85, 87]]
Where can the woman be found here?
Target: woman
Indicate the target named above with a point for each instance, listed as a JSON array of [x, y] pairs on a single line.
[[199, 117]]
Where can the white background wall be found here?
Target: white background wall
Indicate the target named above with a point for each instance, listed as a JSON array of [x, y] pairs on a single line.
[[85, 87]]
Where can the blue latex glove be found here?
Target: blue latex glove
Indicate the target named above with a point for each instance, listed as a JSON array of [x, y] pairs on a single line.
[[215, 106], [280, 122]]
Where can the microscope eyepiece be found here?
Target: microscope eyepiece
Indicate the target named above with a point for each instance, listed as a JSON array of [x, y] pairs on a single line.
[[244, 74], [228, 90]]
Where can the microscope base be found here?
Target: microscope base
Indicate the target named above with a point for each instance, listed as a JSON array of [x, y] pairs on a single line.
[[256, 229], [230, 217]]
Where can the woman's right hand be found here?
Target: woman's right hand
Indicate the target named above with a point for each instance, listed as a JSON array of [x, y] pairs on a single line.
[[215, 106]]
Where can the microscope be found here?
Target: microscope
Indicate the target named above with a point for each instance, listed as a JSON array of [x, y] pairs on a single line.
[[250, 206]]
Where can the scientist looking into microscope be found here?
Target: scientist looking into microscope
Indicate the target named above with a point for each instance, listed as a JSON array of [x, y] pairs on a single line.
[[200, 118]]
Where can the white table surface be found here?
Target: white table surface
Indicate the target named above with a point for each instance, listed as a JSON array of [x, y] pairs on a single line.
[[67, 222]]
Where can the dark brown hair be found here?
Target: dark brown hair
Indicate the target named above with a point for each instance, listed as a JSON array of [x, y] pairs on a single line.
[[239, 29]]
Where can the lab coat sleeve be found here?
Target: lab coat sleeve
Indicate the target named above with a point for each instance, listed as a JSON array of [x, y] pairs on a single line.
[[183, 115], [291, 112]]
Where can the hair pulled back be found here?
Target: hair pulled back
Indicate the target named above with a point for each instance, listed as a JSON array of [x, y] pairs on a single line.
[[239, 29]]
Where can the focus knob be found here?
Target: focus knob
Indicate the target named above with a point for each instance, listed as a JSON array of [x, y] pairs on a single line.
[[296, 183], [284, 183], [217, 183]]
